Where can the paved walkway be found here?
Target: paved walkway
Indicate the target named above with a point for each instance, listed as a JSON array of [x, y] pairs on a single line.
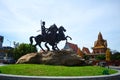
[[115, 67], [1, 64]]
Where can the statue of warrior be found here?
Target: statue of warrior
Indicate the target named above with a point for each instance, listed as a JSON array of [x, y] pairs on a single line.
[[51, 35]]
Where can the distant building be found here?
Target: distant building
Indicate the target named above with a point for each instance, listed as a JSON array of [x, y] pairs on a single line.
[[4, 51], [73, 47], [85, 50], [1, 48], [80, 53], [1, 41], [100, 45]]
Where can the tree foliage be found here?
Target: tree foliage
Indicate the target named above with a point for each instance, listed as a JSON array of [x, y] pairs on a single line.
[[86, 57], [116, 56], [23, 49], [100, 57]]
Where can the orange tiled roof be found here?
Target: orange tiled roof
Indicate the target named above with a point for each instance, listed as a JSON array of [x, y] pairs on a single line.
[[85, 50], [79, 52], [74, 47]]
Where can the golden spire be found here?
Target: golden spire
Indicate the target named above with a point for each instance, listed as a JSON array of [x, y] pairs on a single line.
[[100, 36]]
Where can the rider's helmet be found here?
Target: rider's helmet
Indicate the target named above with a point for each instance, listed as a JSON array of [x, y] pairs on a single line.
[[43, 23]]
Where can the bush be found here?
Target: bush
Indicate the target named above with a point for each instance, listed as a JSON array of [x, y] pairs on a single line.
[[23, 49]]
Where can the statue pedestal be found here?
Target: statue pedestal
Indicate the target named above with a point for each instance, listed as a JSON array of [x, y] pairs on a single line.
[[63, 57]]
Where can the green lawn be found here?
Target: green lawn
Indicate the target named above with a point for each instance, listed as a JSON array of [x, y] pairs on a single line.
[[50, 70]]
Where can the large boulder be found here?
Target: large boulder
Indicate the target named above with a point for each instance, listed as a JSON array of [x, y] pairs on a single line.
[[30, 58], [63, 57]]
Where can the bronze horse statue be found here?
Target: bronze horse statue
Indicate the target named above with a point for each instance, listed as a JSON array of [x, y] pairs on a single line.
[[53, 37]]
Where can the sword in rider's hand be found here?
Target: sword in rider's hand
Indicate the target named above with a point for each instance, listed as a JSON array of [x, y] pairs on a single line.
[[40, 22], [41, 25]]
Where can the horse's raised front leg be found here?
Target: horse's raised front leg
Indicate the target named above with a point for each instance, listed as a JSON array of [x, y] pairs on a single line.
[[68, 37]]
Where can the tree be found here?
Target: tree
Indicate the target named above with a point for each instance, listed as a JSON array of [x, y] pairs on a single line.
[[100, 57], [23, 49], [86, 57], [115, 56]]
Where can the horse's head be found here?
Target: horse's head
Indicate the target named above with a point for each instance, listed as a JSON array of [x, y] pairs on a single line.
[[53, 28], [62, 29]]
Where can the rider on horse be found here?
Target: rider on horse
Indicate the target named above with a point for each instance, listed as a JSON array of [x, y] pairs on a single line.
[[47, 31], [43, 29], [52, 35]]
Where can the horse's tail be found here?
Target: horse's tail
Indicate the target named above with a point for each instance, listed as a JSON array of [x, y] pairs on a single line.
[[68, 37], [31, 40]]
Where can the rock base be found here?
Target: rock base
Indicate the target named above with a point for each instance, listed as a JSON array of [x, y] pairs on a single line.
[[63, 57]]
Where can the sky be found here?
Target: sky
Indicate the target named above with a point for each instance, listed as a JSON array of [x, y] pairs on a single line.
[[83, 20]]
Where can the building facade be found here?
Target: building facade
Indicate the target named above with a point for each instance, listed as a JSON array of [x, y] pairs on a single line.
[[1, 48], [4, 51], [1, 41]]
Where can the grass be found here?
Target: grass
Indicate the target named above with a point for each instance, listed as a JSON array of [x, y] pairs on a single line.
[[50, 70]]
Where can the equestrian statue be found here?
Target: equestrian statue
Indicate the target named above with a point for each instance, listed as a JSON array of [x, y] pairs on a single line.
[[52, 36]]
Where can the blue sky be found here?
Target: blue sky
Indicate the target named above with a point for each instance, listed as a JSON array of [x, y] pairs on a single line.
[[83, 19]]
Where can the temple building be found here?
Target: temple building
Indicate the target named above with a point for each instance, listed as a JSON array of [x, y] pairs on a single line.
[[73, 47], [85, 50], [100, 45]]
